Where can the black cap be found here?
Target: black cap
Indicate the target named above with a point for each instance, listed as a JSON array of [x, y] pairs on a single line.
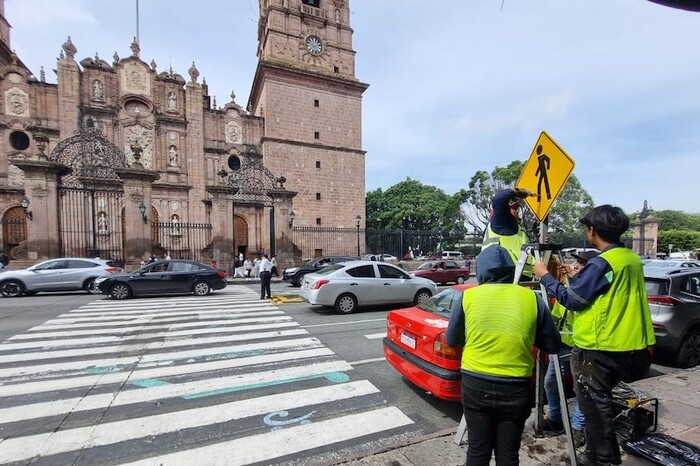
[[585, 256]]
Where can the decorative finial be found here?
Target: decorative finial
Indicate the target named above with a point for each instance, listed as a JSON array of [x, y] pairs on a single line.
[[42, 74], [97, 56], [194, 73], [170, 70], [204, 81], [214, 103], [69, 48], [153, 65], [135, 49], [233, 97], [61, 56], [115, 57]]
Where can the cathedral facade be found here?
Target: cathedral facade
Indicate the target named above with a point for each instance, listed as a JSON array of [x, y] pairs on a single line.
[[119, 159]]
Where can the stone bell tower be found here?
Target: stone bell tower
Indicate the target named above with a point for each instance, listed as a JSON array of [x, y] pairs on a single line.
[[306, 90]]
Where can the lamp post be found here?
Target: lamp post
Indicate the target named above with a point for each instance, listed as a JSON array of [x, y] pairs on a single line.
[[358, 219]]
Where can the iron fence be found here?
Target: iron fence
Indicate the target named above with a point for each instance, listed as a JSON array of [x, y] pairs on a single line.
[[192, 241]]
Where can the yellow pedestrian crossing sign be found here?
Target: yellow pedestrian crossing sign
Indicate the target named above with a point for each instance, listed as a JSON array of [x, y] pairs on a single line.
[[545, 174]]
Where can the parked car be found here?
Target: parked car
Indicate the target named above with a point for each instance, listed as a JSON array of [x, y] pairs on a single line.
[[295, 275], [364, 283], [380, 257], [442, 271], [163, 278], [63, 274], [456, 255], [670, 263], [415, 344], [674, 301]]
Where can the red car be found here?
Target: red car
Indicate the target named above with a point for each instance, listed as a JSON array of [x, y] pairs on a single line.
[[442, 271], [415, 344]]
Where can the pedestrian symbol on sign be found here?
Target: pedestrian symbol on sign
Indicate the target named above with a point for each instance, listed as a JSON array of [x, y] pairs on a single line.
[[542, 168]]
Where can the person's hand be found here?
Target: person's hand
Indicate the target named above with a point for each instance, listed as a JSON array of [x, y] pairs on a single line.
[[540, 269]]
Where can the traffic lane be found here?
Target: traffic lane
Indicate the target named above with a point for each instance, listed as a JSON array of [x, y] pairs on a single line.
[[20, 314]]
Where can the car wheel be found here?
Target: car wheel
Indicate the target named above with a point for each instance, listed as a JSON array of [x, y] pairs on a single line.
[[201, 289], [11, 289], [299, 278], [689, 352], [120, 291], [460, 280], [346, 303], [421, 297], [91, 287]]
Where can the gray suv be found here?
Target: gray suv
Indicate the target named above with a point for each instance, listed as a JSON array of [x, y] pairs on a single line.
[[295, 275], [674, 301], [64, 274]]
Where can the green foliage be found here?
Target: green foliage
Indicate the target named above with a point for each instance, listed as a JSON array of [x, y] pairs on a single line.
[[412, 205], [682, 240], [677, 220], [573, 202]]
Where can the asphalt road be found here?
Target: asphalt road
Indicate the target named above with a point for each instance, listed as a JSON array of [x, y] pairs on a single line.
[[226, 378]]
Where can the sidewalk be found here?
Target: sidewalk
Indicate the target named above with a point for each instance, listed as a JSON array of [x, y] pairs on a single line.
[[679, 417]]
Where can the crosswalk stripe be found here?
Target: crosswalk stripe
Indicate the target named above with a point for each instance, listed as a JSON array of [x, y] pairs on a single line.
[[23, 448], [120, 330], [374, 336], [194, 389], [159, 315], [122, 377], [154, 359], [142, 320], [143, 336], [257, 448], [157, 311], [148, 347]]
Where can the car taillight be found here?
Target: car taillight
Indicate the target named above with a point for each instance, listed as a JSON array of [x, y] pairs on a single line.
[[221, 273], [112, 269], [665, 300], [318, 284], [658, 325], [442, 349]]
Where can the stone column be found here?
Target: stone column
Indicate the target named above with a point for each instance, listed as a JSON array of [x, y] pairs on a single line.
[[284, 247], [222, 222], [41, 188], [137, 234]]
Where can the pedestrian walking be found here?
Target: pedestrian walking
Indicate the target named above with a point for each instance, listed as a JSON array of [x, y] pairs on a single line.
[[248, 266], [256, 267], [265, 275], [612, 328], [502, 321], [275, 272]]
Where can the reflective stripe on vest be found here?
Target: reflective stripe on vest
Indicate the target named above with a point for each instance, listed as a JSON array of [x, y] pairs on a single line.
[[619, 319], [500, 325]]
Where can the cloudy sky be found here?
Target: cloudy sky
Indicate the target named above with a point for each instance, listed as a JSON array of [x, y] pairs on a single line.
[[455, 86]]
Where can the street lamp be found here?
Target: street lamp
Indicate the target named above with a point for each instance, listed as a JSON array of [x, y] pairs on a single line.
[[292, 215], [358, 220], [25, 205], [142, 209]]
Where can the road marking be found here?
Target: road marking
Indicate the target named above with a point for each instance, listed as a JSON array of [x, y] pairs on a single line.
[[158, 315], [192, 390], [146, 347], [256, 448], [159, 311], [366, 361], [62, 441], [122, 377], [346, 323], [375, 336]]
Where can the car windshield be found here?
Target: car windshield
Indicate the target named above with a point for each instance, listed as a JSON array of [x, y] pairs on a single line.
[[662, 263], [330, 269], [444, 302], [425, 266]]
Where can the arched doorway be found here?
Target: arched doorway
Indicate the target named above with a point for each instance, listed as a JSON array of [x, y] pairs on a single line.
[[240, 235], [14, 231]]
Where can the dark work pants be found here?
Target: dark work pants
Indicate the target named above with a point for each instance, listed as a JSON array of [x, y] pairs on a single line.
[[265, 277], [595, 375], [495, 412]]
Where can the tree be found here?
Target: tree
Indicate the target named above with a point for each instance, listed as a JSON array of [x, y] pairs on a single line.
[[682, 240], [677, 220], [573, 202], [411, 205]]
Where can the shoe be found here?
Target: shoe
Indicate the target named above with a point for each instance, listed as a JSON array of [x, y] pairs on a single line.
[[579, 438], [269, 297], [262, 297], [585, 458], [551, 428]]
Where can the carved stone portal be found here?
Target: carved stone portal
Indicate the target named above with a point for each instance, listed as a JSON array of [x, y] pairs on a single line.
[[138, 136]]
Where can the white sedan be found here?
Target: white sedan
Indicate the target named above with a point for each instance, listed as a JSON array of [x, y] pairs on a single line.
[[347, 286]]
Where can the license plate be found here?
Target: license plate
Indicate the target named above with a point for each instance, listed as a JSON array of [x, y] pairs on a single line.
[[408, 341]]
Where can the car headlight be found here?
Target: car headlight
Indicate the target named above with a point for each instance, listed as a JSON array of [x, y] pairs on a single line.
[[99, 280], [291, 270]]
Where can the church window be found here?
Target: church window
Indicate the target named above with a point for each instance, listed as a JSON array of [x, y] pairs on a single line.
[[317, 135], [336, 69], [313, 3], [318, 196], [316, 103], [318, 221], [318, 164], [19, 140], [234, 163]]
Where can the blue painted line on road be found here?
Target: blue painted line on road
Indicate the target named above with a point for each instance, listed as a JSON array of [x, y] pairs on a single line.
[[335, 377], [148, 383]]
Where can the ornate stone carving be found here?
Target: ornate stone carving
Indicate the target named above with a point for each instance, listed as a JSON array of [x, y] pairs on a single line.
[[172, 102], [173, 157], [135, 79], [97, 90], [14, 78], [17, 102], [15, 176], [138, 136], [194, 73], [233, 133], [69, 48]]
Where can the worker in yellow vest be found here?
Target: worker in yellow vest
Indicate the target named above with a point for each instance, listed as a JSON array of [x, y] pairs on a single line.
[[612, 328], [498, 326]]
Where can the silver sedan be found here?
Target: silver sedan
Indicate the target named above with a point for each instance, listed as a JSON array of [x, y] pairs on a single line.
[[347, 286]]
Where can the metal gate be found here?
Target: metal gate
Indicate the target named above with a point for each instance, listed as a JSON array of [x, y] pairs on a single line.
[[90, 222]]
